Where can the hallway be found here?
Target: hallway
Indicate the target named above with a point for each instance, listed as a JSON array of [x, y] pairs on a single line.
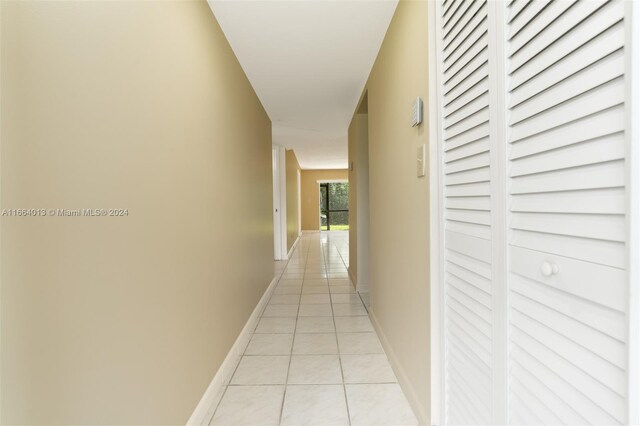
[[168, 169], [314, 358]]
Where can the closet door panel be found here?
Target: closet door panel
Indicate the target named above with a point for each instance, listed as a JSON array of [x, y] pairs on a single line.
[[568, 288], [467, 146]]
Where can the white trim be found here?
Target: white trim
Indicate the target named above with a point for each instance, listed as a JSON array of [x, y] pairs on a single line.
[[320, 206], [1, 235], [275, 207], [403, 378], [283, 198], [299, 177], [205, 409], [354, 282], [632, 102], [436, 231], [499, 209], [279, 164], [293, 247]]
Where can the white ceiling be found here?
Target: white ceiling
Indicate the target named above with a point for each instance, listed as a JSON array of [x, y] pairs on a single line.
[[308, 61]]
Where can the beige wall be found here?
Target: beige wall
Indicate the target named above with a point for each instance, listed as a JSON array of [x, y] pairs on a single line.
[[292, 198], [143, 106], [311, 195], [399, 212]]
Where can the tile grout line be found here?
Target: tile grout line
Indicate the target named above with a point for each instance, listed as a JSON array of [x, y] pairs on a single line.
[[226, 387], [295, 327], [312, 384], [344, 386], [324, 255]]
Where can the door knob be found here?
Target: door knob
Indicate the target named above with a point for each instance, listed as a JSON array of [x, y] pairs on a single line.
[[548, 269]]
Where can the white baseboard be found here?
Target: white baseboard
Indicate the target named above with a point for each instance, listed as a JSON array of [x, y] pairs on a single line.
[[205, 409], [353, 279], [360, 287], [293, 247], [403, 378]]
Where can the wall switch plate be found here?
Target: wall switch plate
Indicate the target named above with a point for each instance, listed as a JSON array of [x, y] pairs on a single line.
[[421, 160], [416, 113]]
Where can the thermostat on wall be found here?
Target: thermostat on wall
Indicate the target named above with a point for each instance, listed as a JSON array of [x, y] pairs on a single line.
[[416, 117]]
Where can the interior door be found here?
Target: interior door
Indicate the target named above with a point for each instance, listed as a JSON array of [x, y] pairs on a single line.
[[535, 116], [469, 282], [277, 233], [279, 183], [568, 281]]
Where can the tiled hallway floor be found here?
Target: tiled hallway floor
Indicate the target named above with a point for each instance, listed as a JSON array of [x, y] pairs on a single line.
[[314, 358]]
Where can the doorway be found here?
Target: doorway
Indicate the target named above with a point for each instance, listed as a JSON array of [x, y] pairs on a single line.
[[334, 206], [359, 178], [279, 202]]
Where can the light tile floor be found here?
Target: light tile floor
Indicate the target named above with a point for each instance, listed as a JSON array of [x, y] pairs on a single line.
[[314, 358]]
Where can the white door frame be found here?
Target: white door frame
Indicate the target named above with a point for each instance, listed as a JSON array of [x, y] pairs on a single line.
[[496, 16], [632, 134], [279, 202], [436, 217], [299, 202]]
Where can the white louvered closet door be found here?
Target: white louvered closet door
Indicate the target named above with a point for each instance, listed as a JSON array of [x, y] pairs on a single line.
[[466, 135], [534, 140], [568, 284]]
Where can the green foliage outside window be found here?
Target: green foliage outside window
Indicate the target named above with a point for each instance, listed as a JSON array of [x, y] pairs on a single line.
[[338, 199]]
